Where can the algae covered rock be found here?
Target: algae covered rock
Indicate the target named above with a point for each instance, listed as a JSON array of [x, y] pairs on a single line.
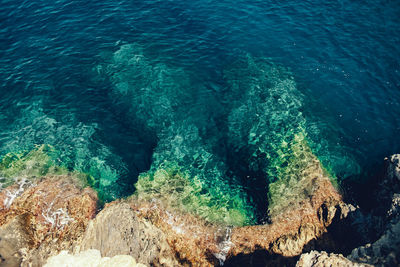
[[185, 173], [28, 165], [193, 240], [178, 191], [304, 220]]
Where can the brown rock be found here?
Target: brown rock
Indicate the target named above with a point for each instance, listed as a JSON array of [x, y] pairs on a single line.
[[296, 223], [118, 230], [198, 243], [301, 213], [193, 241], [51, 215], [14, 236]]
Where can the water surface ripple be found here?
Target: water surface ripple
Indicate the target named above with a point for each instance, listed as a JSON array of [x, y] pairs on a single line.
[[344, 57]]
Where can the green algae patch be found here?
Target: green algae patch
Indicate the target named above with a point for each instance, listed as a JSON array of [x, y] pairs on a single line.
[[176, 190], [34, 164], [296, 178], [185, 171]]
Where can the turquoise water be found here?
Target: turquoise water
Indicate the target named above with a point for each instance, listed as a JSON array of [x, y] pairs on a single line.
[[217, 90]]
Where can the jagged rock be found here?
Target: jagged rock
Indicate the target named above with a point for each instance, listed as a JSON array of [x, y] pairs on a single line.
[[386, 250], [118, 230], [91, 258], [394, 210], [388, 186], [14, 236], [383, 221], [193, 240], [52, 215], [322, 259], [393, 169], [296, 224], [43, 218]]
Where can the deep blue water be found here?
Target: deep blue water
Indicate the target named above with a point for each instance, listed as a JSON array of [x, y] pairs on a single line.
[[343, 55]]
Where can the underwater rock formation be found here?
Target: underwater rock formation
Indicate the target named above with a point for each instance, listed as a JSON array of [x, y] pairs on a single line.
[[299, 220], [42, 218], [157, 96], [91, 258], [53, 213], [207, 187], [302, 220]]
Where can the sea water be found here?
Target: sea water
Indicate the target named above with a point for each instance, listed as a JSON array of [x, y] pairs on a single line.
[[211, 102]]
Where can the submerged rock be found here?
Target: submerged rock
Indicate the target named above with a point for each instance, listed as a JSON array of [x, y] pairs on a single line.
[[297, 218], [43, 218], [197, 242]]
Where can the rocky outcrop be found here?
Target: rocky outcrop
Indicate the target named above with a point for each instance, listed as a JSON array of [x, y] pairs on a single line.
[[117, 229], [393, 169], [91, 258], [14, 237], [54, 214], [382, 221], [386, 250], [39, 219], [322, 259], [389, 188], [298, 222], [193, 240]]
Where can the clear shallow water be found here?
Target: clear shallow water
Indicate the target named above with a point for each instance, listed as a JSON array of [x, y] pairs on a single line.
[[61, 85]]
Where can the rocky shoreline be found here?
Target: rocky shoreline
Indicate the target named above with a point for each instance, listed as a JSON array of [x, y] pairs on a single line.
[[53, 219]]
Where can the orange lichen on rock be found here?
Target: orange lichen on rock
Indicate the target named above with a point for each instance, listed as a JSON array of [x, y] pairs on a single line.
[[297, 222], [55, 210], [194, 241], [303, 204]]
